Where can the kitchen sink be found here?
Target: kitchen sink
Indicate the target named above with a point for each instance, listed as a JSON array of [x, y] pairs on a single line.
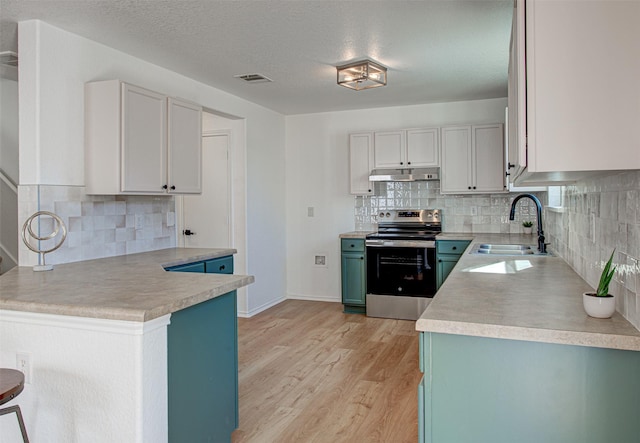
[[508, 249]]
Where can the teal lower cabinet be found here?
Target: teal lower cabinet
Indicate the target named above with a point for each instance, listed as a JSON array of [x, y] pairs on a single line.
[[354, 285], [202, 359], [489, 390], [448, 252], [202, 364]]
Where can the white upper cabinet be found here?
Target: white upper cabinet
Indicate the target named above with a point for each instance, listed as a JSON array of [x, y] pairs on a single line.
[[582, 88], [472, 159], [412, 148], [360, 163], [140, 142]]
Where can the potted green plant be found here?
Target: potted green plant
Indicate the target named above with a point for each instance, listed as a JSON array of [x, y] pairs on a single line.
[[527, 225], [601, 304]]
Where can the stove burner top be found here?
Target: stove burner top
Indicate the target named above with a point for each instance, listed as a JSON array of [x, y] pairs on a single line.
[[408, 224]]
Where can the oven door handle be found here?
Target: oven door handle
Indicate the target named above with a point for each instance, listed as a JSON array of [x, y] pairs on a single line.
[[400, 244]]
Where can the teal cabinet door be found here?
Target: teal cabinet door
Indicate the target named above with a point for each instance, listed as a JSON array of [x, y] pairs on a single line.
[[446, 263], [222, 265], [202, 362], [354, 281]]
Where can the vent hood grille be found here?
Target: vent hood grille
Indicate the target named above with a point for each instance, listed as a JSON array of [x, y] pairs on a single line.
[[404, 175]]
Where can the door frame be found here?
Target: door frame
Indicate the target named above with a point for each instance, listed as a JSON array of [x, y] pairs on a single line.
[[230, 203]]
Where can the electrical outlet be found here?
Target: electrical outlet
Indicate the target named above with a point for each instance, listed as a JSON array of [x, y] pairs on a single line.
[[139, 221], [23, 364], [171, 219], [321, 260], [310, 211], [592, 227]]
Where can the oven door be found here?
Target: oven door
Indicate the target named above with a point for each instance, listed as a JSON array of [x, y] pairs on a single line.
[[401, 269]]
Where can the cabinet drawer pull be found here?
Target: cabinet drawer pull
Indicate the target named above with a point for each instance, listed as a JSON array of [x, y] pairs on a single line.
[[222, 268], [454, 248]]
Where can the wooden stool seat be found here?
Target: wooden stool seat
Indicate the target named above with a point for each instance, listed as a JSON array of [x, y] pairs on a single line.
[[11, 385]]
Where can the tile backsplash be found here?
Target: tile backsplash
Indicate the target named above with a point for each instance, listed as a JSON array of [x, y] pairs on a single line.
[[98, 226], [597, 216], [461, 213]]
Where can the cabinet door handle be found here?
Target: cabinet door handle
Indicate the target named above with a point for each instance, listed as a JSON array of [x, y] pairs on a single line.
[[474, 187], [401, 163], [408, 163], [468, 187], [454, 248], [361, 258], [164, 186], [440, 261], [222, 268], [173, 188]]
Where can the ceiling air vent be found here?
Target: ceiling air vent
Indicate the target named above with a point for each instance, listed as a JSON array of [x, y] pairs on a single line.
[[8, 58], [253, 78]]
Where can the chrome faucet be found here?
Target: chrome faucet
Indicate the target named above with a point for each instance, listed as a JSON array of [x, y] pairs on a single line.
[[542, 246]]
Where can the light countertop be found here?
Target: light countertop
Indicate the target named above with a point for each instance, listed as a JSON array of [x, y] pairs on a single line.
[[356, 234], [533, 298], [131, 287]]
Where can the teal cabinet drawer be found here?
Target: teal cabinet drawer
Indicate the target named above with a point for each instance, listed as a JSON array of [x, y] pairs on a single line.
[[352, 244], [222, 265], [451, 246], [189, 267]]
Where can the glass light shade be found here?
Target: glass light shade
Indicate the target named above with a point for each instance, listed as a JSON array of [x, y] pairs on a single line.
[[360, 75]]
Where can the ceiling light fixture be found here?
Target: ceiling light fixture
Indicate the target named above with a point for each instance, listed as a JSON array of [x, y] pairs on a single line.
[[363, 74]]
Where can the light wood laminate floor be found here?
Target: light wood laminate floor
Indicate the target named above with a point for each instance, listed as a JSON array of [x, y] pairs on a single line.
[[310, 373]]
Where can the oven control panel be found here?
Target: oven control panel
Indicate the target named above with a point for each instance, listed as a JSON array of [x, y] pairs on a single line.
[[410, 215]]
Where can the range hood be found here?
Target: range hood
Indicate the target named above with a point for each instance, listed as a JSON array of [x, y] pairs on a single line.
[[404, 175]]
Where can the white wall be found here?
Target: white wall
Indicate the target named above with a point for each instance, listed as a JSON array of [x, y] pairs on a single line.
[[318, 176], [55, 64]]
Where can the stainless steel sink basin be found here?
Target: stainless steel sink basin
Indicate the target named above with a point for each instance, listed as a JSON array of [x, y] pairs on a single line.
[[496, 249]]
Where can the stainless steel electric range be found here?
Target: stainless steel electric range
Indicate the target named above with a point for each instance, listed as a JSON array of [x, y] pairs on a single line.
[[401, 263]]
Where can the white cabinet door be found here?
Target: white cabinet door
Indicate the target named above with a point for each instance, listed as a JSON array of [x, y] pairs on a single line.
[[389, 149], [423, 148], [488, 155], [144, 143], [455, 172], [184, 147], [360, 163]]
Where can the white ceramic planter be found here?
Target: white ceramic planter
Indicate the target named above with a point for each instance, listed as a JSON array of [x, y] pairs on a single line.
[[528, 230], [598, 307]]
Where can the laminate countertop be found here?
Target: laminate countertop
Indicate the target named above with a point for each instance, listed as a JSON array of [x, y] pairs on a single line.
[[132, 287], [532, 298]]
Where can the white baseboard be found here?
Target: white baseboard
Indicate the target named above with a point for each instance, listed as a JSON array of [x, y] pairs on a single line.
[[313, 298], [259, 309]]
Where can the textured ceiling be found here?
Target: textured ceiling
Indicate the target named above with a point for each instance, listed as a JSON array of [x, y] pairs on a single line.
[[436, 50]]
